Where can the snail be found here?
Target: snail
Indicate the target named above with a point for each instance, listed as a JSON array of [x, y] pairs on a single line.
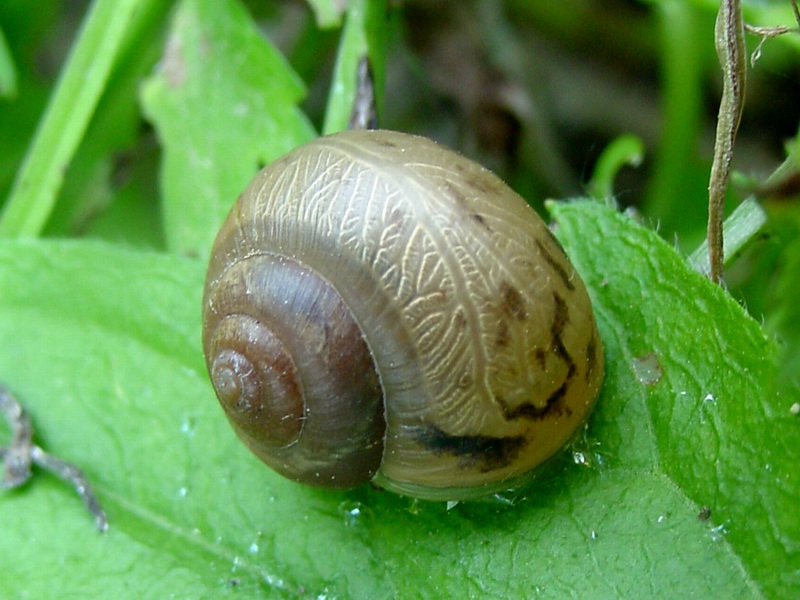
[[380, 308]]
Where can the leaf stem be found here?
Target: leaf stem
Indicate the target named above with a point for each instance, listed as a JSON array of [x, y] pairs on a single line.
[[729, 42], [64, 123], [681, 37]]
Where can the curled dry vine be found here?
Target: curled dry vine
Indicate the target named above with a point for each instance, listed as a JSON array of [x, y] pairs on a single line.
[[730, 45], [21, 453]]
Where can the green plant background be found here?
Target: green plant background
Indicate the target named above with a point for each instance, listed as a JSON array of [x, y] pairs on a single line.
[[118, 165]]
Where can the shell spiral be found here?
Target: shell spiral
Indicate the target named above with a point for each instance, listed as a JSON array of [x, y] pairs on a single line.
[[378, 307]]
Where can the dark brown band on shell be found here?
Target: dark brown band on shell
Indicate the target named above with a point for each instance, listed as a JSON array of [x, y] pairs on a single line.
[[482, 452]]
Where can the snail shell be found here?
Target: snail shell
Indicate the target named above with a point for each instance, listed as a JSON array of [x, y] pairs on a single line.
[[378, 307]]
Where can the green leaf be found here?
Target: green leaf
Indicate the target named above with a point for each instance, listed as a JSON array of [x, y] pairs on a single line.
[[328, 12], [703, 373], [106, 355], [224, 103]]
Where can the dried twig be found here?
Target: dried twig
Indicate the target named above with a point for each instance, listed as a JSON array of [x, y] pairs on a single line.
[[729, 42], [21, 453]]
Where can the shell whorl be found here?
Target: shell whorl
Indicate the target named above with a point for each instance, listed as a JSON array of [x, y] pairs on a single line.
[[282, 350], [485, 351]]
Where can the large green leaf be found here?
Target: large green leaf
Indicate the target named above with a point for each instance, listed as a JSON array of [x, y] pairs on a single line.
[[703, 373], [103, 346]]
